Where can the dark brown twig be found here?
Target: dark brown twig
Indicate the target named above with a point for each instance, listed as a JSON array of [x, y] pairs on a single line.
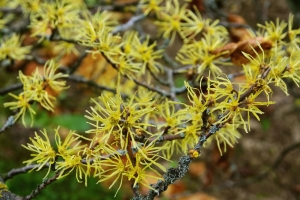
[[80, 79], [42, 186]]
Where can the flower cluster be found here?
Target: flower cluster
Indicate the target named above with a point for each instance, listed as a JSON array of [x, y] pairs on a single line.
[[131, 132], [35, 90], [11, 48]]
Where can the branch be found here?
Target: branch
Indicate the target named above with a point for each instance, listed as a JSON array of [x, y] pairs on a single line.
[[17, 10], [157, 90], [174, 174], [6, 194], [10, 121], [78, 62], [163, 138], [40, 187], [80, 79], [129, 24], [169, 177], [21, 170], [113, 7], [4, 91]]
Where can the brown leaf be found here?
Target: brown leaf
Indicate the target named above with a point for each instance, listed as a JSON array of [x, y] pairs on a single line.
[[95, 67], [226, 50], [238, 33], [198, 3], [245, 46], [234, 50]]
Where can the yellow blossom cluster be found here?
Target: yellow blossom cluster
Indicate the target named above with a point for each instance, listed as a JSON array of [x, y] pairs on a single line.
[[34, 90], [132, 134]]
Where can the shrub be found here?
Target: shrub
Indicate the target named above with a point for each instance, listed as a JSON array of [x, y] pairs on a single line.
[[141, 117]]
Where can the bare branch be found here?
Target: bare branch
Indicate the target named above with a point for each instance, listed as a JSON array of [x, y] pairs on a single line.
[[80, 79], [40, 187], [6, 194], [129, 24], [10, 121], [11, 88], [21, 170]]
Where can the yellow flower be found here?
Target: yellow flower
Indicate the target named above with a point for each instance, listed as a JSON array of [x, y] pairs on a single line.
[[251, 104], [21, 105], [227, 135], [65, 167], [273, 31], [126, 66], [68, 148], [115, 168], [140, 176], [51, 77], [142, 52], [105, 116], [148, 154], [108, 44], [170, 23], [43, 153], [10, 47], [193, 24], [34, 90], [201, 54], [149, 6]]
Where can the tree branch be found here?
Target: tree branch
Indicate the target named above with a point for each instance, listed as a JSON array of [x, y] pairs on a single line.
[[10, 121], [40, 187], [4, 91], [21, 170]]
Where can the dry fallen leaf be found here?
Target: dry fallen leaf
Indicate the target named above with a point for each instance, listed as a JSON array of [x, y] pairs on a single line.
[[234, 50], [238, 33]]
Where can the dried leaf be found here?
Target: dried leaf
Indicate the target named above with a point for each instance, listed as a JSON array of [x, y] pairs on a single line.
[[198, 3], [234, 50], [238, 33]]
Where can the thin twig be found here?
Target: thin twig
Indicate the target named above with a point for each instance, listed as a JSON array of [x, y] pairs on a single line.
[[40, 187], [129, 24], [17, 10], [80, 79], [11, 88], [21, 170], [10, 121], [78, 62], [163, 138], [6, 194], [157, 90], [160, 80], [182, 70], [115, 7]]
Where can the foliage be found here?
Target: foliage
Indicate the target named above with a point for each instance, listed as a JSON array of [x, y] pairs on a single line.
[[135, 126]]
